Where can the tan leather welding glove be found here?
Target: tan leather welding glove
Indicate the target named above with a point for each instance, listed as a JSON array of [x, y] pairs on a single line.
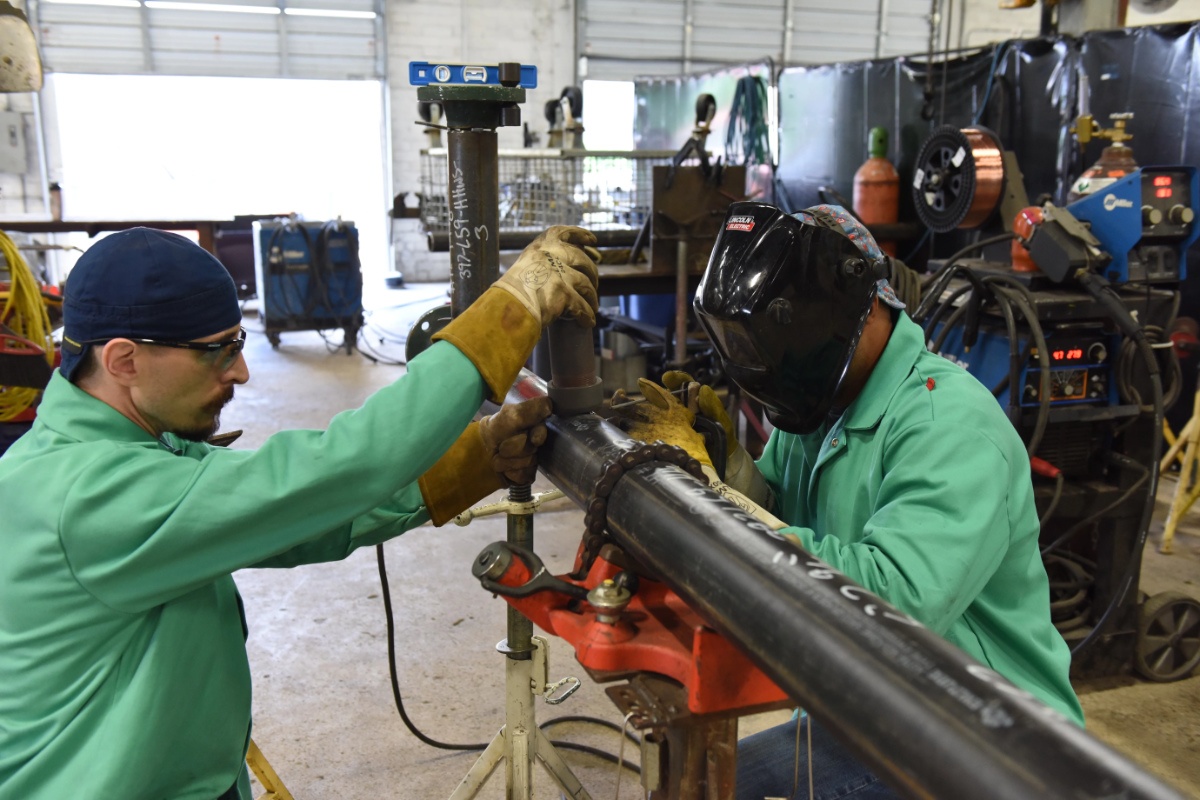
[[555, 274], [497, 451], [512, 436], [741, 473], [661, 417]]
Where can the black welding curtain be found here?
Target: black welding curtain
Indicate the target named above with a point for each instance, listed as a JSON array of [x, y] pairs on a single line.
[[1040, 86]]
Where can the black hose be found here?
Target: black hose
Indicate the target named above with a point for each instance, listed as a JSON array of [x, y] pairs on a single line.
[[408, 723]]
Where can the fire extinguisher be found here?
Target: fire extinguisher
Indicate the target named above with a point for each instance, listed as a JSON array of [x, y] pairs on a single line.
[[877, 187]]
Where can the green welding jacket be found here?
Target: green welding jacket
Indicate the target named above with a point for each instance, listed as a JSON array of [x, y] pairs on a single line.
[[123, 669], [921, 493]]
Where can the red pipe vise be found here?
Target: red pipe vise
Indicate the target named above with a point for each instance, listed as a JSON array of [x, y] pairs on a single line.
[[619, 624]]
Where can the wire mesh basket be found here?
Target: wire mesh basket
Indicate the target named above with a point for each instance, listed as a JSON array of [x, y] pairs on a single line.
[[599, 190]]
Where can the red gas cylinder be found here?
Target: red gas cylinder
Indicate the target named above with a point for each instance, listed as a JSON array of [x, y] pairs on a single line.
[[877, 188], [1026, 221]]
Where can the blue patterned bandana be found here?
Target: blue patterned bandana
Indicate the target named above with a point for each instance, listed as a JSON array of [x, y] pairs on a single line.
[[839, 219]]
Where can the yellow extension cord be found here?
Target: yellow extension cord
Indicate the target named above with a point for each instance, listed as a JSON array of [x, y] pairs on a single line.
[[25, 314]]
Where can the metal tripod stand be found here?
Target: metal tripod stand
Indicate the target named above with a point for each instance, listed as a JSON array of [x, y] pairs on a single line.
[[521, 741]]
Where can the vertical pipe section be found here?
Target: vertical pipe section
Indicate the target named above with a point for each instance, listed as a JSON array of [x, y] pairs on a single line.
[[573, 386], [474, 181], [681, 301]]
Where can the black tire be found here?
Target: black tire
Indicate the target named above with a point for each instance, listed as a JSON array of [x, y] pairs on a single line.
[[1168, 643]]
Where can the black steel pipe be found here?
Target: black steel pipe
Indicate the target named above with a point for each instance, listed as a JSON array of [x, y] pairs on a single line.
[[474, 199], [517, 240], [927, 718]]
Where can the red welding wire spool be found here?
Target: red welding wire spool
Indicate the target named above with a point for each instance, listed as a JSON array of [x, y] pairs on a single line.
[[959, 178]]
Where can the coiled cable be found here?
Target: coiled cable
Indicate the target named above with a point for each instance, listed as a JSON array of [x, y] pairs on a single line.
[[24, 313]]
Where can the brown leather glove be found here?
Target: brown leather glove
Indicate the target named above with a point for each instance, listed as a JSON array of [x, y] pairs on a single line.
[[557, 273], [512, 436], [498, 451]]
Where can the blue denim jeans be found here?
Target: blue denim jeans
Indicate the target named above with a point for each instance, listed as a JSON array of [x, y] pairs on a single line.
[[766, 767]]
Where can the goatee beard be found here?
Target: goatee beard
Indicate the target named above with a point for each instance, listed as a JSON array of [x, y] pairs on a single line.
[[202, 433]]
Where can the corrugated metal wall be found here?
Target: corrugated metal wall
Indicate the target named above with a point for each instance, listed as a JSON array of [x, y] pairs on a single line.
[[622, 39], [322, 39]]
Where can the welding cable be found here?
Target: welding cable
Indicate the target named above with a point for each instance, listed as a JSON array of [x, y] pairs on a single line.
[[367, 350], [936, 283], [930, 322], [1015, 293], [746, 137], [1099, 288], [287, 303], [987, 92], [1069, 596], [24, 313], [1042, 467], [415, 731], [1071, 532], [1127, 358], [905, 281], [951, 322], [327, 270], [1050, 509]]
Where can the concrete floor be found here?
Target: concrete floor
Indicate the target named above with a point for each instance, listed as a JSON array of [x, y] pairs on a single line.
[[324, 714]]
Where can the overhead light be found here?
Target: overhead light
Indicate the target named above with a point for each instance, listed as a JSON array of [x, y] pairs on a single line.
[[329, 12], [113, 3], [170, 5]]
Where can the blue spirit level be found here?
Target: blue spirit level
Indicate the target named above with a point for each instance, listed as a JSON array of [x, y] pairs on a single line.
[[423, 73]]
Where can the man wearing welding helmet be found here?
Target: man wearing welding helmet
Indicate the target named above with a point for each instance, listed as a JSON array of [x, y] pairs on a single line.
[[123, 670], [889, 463]]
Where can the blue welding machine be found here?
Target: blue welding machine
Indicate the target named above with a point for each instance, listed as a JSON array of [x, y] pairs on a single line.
[[309, 277], [1080, 365]]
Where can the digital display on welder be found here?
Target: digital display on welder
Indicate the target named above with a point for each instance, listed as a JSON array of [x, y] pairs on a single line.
[[1162, 180], [1073, 355], [1163, 191]]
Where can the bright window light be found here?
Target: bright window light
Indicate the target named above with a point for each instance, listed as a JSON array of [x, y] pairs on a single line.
[[114, 3], [194, 148], [174, 6], [328, 12], [608, 109]]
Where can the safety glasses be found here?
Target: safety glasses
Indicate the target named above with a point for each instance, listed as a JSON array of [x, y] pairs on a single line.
[[220, 354]]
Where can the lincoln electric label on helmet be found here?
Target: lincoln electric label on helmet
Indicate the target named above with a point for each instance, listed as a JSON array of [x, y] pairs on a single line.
[[740, 224]]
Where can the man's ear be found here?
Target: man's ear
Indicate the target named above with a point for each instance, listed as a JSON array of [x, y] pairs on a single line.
[[116, 359]]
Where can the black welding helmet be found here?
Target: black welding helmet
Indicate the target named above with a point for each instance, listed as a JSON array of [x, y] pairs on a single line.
[[785, 299]]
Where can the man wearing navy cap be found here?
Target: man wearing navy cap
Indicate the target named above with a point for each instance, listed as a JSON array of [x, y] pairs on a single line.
[[123, 670], [889, 463]]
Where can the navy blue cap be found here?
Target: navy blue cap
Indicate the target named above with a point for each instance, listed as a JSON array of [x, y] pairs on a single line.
[[147, 284]]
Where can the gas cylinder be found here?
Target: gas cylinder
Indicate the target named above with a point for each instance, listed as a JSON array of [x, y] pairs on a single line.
[[877, 187], [1116, 160]]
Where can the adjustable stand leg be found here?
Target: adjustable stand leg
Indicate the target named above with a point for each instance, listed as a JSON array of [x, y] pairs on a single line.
[[520, 740], [1189, 438]]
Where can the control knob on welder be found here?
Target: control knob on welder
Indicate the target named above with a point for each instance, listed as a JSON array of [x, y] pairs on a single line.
[[1151, 215], [1097, 352], [1181, 215]]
